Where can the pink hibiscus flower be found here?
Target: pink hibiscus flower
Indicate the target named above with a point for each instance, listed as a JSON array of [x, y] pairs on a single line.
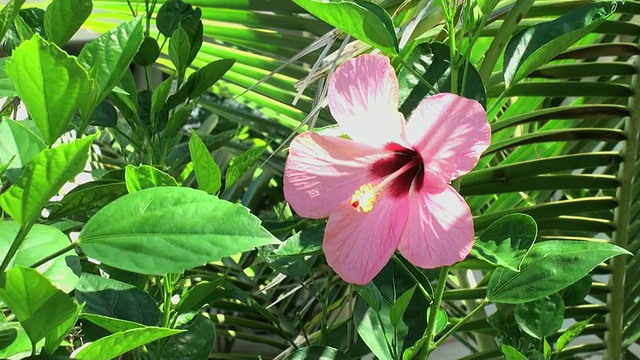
[[388, 187]]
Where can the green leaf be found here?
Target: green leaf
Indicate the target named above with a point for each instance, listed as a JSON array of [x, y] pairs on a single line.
[[18, 145], [174, 12], [536, 45], [400, 306], [575, 294], [21, 345], [511, 353], [108, 57], [43, 177], [303, 243], [193, 344], [372, 327], [114, 345], [507, 241], [207, 171], [6, 85], [197, 295], [317, 353], [572, 333], [549, 267], [546, 349], [41, 242], [442, 320], [200, 81], [104, 114], [361, 19], [145, 176], [111, 324], [108, 297], [242, 163], [8, 13], [486, 6], [57, 335], [168, 230], [51, 84], [37, 304], [179, 48], [371, 295], [88, 197], [431, 62], [148, 53], [541, 318], [159, 98], [179, 117], [7, 336], [64, 17]]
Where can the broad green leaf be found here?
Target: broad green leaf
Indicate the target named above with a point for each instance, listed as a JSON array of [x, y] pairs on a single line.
[[507, 241], [6, 85], [372, 329], [361, 19], [108, 297], [119, 343], [303, 243], [193, 344], [242, 163], [179, 47], [575, 294], [18, 145], [400, 306], [207, 171], [41, 242], [43, 177], [52, 85], [317, 353], [64, 17], [200, 81], [111, 324], [38, 305], [549, 267], [148, 52], [197, 295], [572, 333], [105, 114], [541, 318], [371, 295], [431, 62], [159, 98], [8, 13], [174, 12], [536, 45], [108, 57], [511, 353], [7, 336], [170, 229], [57, 335], [145, 176], [88, 197]]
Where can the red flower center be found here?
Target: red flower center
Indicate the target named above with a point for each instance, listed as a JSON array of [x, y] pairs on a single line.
[[411, 175]]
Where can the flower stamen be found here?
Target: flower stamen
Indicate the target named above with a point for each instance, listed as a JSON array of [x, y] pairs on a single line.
[[365, 197]]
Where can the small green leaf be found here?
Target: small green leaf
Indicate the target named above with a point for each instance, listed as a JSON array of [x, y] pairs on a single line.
[[361, 19], [41, 242], [148, 53], [105, 114], [108, 297], [174, 12], [546, 349], [18, 145], [371, 295], [108, 57], [207, 171], [575, 294], [536, 45], [317, 353], [572, 333], [507, 241], [64, 17], [193, 344], [38, 305], [242, 163], [197, 296], [110, 324], [541, 318], [43, 177], [145, 176], [159, 98], [114, 345], [87, 197], [511, 353], [200, 81], [179, 47], [303, 243], [170, 229], [179, 117], [442, 319], [549, 267], [400, 306], [52, 85], [7, 336], [21, 344], [372, 327]]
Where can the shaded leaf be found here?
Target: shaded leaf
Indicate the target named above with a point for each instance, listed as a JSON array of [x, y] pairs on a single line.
[[243, 163], [541, 318]]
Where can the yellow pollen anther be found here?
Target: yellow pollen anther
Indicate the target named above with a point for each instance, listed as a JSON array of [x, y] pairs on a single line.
[[365, 198]]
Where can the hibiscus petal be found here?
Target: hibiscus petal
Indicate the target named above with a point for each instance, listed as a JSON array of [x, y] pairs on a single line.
[[358, 245], [363, 98], [450, 132], [439, 229], [322, 171]]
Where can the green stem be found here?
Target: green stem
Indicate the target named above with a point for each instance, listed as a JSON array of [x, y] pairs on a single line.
[[424, 291], [460, 323], [55, 255], [17, 242], [433, 312]]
